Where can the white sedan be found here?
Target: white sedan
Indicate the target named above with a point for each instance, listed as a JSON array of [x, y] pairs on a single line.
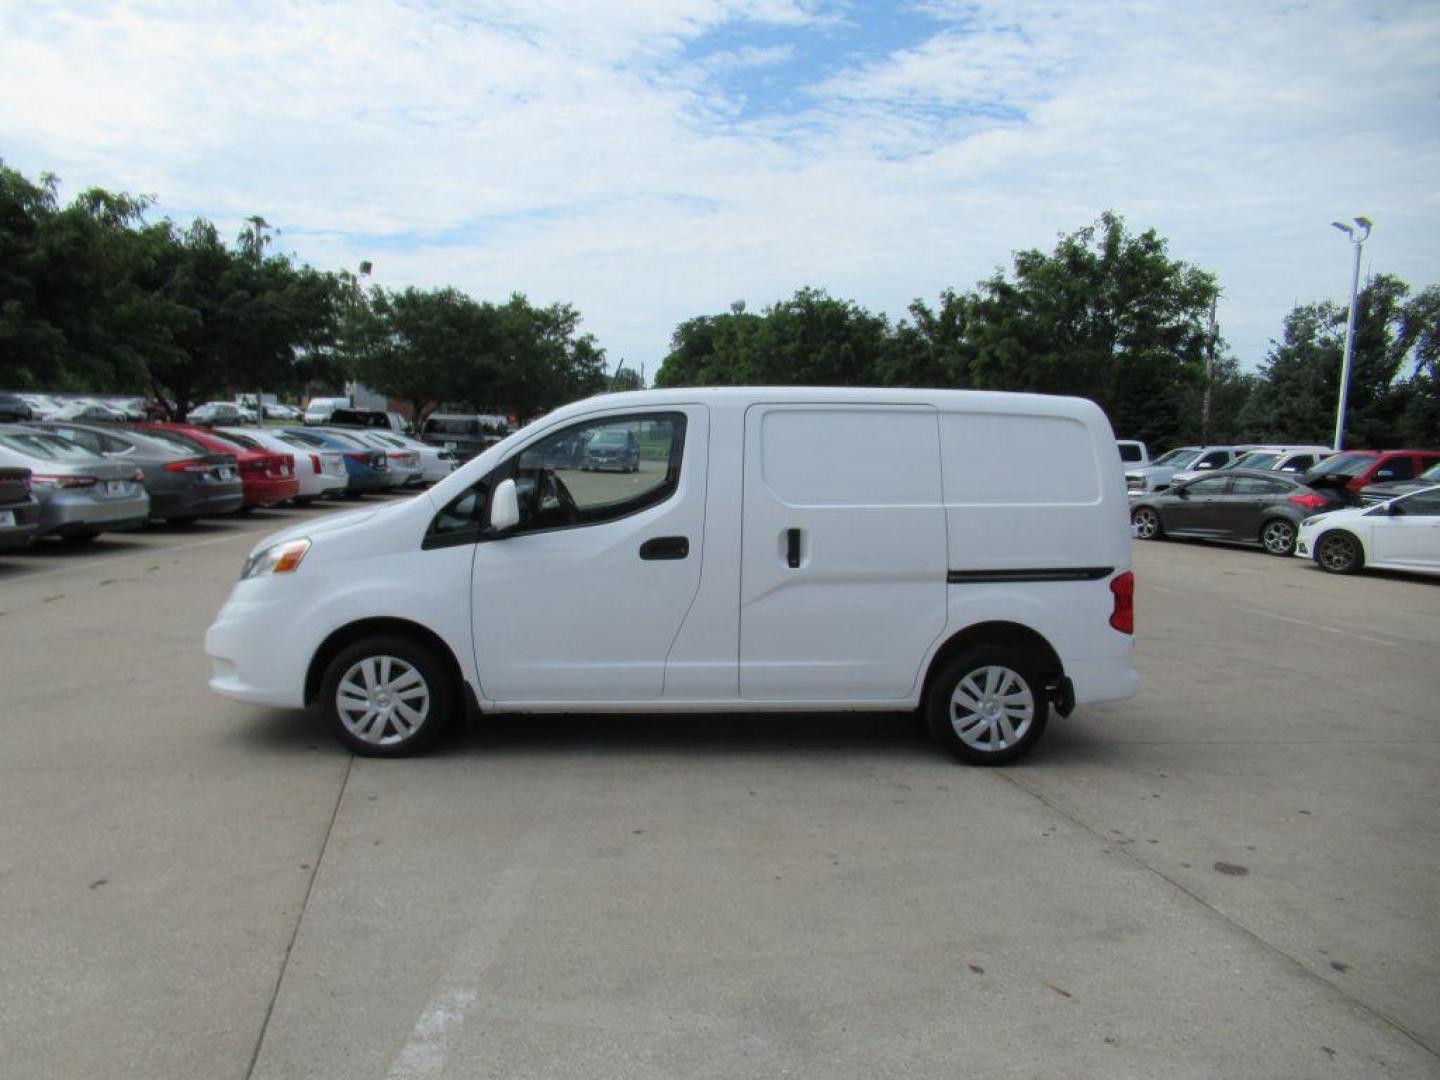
[[320, 472], [1402, 534]]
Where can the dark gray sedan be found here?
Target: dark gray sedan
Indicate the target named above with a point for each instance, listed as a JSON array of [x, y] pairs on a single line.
[[19, 509], [1248, 506], [185, 482]]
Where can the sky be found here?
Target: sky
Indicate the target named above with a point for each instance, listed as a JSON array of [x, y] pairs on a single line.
[[654, 160]]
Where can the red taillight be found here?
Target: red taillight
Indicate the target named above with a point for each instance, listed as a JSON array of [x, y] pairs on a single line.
[[1310, 501], [64, 481], [1123, 588], [315, 463]]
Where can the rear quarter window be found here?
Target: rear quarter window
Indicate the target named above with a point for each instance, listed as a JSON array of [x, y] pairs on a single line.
[[997, 459]]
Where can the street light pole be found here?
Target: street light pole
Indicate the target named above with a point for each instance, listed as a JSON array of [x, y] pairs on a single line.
[[1358, 242]]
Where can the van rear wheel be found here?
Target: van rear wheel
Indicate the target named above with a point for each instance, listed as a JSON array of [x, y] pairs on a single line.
[[987, 706], [386, 696]]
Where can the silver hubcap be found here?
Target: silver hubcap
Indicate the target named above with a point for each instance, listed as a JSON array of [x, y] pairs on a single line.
[[382, 700], [1146, 523], [1279, 536], [1335, 552], [992, 708]]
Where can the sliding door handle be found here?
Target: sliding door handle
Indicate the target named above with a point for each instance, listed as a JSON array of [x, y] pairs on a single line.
[[666, 547], [792, 548]]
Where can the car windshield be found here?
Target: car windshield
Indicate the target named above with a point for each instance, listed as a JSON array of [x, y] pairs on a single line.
[[345, 440], [1344, 465], [243, 440], [174, 438], [48, 447], [1179, 457], [1255, 461]]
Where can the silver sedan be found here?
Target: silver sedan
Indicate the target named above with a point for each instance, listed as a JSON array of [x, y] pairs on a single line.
[[81, 494]]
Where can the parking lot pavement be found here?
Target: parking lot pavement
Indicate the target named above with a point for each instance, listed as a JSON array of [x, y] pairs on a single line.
[[1235, 874]]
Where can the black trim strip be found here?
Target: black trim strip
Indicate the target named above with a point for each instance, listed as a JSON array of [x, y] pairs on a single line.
[[1067, 573]]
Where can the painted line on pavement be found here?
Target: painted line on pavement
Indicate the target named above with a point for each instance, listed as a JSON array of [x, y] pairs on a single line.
[[1321, 626]]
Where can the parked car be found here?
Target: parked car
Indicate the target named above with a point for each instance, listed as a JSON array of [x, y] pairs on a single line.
[[1402, 534], [19, 509], [1132, 453], [1249, 506], [318, 472], [283, 412], [1160, 473], [405, 467], [612, 449], [81, 494], [798, 548], [319, 409], [14, 409], [267, 477], [1290, 459], [219, 414], [366, 418], [184, 484], [1351, 471], [1375, 494], [435, 463], [88, 411], [366, 467], [41, 405], [465, 436]]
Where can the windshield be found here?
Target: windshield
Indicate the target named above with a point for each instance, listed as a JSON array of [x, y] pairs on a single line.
[[1254, 461], [1180, 457], [1344, 465], [242, 440], [1432, 474], [48, 447]]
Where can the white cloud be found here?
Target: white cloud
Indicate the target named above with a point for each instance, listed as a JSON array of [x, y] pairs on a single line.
[[602, 156]]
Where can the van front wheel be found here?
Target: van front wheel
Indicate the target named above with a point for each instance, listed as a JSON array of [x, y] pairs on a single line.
[[987, 706], [386, 696]]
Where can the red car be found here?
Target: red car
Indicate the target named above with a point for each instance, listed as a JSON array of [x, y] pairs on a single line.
[[267, 478], [1350, 470]]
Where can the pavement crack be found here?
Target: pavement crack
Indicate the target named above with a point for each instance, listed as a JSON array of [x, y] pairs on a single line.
[[1132, 853], [299, 919]]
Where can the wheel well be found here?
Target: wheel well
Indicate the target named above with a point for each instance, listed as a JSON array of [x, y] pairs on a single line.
[[390, 627], [1006, 635]]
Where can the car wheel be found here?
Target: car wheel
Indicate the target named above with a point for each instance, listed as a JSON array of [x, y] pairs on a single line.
[[1278, 536], [987, 706], [1147, 523], [1339, 553], [386, 696]]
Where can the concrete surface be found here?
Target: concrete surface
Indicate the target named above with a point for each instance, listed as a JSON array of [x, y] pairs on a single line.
[[1236, 874]]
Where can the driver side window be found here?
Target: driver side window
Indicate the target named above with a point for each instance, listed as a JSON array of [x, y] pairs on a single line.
[[599, 470]]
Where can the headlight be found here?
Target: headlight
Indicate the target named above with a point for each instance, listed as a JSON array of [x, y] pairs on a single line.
[[276, 559]]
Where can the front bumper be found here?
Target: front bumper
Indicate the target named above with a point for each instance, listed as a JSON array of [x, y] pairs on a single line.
[[245, 662]]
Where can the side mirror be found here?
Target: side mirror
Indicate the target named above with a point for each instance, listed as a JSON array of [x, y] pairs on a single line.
[[1385, 474], [1395, 509], [1180, 493], [504, 507]]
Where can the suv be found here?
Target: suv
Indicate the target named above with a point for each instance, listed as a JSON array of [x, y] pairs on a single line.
[[1193, 460], [465, 435], [1351, 470]]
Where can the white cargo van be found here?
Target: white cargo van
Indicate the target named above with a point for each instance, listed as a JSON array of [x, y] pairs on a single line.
[[776, 549]]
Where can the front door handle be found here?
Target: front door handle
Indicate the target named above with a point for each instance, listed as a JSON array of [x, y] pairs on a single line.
[[666, 547]]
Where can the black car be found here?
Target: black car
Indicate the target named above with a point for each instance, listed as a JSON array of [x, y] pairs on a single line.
[[19, 510], [1375, 494], [612, 448], [185, 481], [467, 436], [14, 410], [1249, 506]]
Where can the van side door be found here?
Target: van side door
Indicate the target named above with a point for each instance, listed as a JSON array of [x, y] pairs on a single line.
[[581, 601], [843, 551]]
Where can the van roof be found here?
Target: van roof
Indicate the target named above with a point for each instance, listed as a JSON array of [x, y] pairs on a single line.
[[1001, 401]]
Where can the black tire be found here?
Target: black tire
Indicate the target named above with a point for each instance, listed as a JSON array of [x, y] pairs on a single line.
[[1338, 552], [184, 521], [1147, 523], [388, 736], [984, 742], [1278, 535]]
